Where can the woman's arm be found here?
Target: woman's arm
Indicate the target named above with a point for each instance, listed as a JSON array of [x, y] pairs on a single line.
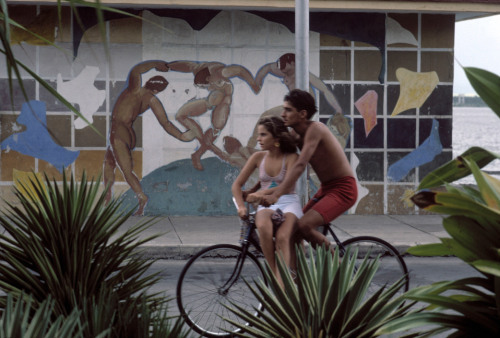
[[242, 178]]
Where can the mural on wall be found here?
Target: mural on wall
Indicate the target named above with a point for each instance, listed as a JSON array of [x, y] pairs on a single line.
[[367, 106], [415, 88], [284, 69], [211, 108], [35, 139], [82, 92], [134, 100], [44, 24], [215, 77], [425, 153]]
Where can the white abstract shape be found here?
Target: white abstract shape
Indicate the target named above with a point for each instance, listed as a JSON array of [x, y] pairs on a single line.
[[395, 33], [81, 91], [362, 191]]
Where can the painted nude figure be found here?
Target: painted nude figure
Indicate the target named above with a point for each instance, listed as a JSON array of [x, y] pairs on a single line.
[[132, 102], [215, 77]]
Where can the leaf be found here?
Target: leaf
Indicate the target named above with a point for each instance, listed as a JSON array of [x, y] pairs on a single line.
[[486, 85], [455, 169], [487, 266], [488, 185], [430, 250]]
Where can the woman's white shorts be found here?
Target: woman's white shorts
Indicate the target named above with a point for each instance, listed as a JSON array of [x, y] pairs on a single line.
[[287, 203]]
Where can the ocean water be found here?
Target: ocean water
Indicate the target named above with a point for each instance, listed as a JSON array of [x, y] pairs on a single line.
[[476, 127]]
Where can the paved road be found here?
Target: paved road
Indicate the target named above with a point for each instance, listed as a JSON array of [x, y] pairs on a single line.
[[423, 271]]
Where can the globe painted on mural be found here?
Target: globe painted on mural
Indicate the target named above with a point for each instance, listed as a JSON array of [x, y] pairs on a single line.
[[178, 189]]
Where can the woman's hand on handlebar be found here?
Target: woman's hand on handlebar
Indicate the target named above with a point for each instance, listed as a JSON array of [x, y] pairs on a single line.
[[243, 212]]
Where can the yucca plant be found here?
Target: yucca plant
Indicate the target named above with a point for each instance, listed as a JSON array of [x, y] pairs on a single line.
[[17, 320], [63, 242], [328, 299], [471, 306]]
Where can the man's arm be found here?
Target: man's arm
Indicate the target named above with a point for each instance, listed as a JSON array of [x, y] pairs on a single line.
[[242, 73], [162, 117], [134, 77], [184, 66], [323, 88], [270, 68], [311, 141]]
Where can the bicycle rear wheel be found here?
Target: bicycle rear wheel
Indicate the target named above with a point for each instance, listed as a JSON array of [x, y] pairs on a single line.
[[392, 266], [208, 283]]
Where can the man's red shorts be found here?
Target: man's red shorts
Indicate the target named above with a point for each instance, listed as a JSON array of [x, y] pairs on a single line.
[[334, 198]]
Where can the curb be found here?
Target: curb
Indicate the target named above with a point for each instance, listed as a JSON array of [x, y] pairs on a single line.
[[184, 252]]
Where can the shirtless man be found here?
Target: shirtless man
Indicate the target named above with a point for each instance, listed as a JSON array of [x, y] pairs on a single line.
[[215, 77], [284, 68], [132, 102], [338, 191]]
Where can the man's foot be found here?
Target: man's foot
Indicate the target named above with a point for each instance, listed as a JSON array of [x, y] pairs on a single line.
[[143, 200], [196, 159]]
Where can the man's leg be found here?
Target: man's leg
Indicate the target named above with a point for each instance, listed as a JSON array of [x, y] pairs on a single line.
[[123, 157], [188, 110], [307, 226], [109, 172]]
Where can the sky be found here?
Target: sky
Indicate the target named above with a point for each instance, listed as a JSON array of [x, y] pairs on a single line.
[[477, 44]]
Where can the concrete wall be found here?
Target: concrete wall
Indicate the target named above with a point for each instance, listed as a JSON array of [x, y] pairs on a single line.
[[390, 74]]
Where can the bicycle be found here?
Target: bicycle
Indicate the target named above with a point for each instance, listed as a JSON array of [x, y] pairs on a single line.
[[215, 277]]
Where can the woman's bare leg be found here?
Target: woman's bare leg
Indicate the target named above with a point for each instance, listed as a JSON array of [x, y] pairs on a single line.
[[285, 241], [265, 228]]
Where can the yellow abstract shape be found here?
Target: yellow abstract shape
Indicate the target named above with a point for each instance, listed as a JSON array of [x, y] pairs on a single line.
[[406, 198], [25, 182], [367, 106], [415, 88], [44, 25]]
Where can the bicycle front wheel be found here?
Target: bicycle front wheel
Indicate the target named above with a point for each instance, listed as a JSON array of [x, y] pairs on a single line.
[[392, 267], [211, 280]]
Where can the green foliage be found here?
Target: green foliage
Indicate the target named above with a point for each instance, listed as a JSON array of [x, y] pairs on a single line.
[[470, 306], [63, 242], [329, 299], [18, 322]]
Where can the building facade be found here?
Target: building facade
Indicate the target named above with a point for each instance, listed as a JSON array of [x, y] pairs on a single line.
[[173, 96]]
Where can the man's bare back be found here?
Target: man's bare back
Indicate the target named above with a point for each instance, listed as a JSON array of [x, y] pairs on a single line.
[[328, 160]]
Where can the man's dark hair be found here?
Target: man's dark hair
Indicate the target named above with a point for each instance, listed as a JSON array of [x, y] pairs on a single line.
[[201, 77], [302, 100], [284, 59], [157, 83]]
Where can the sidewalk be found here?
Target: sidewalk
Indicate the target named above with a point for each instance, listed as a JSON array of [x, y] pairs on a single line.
[[186, 235]]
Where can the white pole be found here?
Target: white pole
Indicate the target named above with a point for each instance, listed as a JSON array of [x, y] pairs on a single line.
[[302, 44], [302, 70]]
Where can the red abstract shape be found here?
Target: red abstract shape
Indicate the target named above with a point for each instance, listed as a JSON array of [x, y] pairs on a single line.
[[367, 106]]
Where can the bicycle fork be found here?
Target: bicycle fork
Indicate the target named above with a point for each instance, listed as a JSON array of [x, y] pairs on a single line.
[[235, 274]]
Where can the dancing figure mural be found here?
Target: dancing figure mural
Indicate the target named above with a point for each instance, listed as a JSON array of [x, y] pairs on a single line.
[[215, 77], [133, 101]]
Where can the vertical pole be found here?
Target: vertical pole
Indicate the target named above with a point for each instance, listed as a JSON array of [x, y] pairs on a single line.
[[302, 44], [302, 71]]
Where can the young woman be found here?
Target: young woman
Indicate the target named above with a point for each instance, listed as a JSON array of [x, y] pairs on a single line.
[[278, 154]]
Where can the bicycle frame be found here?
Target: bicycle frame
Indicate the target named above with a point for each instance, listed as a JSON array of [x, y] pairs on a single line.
[[245, 244]]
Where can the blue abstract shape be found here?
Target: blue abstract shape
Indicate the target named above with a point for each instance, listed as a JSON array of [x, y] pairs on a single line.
[[35, 140], [429, 149]]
